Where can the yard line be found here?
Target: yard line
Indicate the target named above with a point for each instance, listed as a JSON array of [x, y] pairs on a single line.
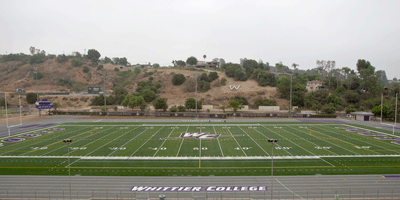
[[218, 142], [104, 145], [235, 140], [300, 138], [331, 142], [125, 143], [181, 143], [200, 150], [290, 141], [145, 142], [75, 150], [163, 143], [254, 140], [35, 143], [364, 142]]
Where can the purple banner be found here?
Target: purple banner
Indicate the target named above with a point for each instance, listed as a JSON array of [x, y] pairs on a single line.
[[30, 136], [57, 129], [396, 143], [387, 138], [13, 140], [44, 132], [198, 188]]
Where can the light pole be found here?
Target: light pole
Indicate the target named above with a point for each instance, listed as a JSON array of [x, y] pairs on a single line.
[[272, 164], [105, 99], [37, 91], [68, 141], [196, 97]]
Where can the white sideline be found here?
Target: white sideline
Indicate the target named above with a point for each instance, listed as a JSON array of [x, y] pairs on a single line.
[[204, 158]]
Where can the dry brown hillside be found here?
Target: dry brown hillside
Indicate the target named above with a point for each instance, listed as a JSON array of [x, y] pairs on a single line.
[[13, 77]]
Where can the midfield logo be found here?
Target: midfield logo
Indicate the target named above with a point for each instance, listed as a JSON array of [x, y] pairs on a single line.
[[199, 135]]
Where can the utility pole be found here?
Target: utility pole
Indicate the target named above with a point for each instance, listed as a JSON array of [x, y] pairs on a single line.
[[37, 91], [196, 98], [104, 92]]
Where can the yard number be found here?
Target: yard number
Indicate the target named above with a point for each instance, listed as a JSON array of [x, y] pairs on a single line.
[[78, 148], [97, 127], [318, 147], [39, 148], [277, 127], [149, 127], [284, 148], [202, 148], [302, 126], [123, 127], [362, 147], [201, 127], [162, 148], [252, 127], [117, 148], [243, 148]]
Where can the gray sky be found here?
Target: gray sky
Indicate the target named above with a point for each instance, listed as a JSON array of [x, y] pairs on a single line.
[[161, 31]]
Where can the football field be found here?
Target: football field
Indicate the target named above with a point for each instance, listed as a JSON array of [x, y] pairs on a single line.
[[201, 149]]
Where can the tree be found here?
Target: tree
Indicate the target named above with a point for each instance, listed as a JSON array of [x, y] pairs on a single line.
[[178, 79], [298, 90], [161, 103], [294, 65], [31, 98], [365, 68], [85, 69], [222, 108], [263, 102], [241, 100], [212, 76], [148, 95], [156, 65], [191, 60], [327, 66], [250, 65], [204, 56], [181, 108], [56, 105], [32, 50], [104, 108], [107, 60], [234, 105], [62, 58], [93, 55], [329, 109], [37, 59], [190, 104], [76, 62], [223, 81], [119, 94], [351, 108]]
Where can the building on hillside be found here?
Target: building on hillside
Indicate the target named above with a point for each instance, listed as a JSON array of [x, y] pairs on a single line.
[[212, 64], [147, 66], [314, 85], [362, 116]]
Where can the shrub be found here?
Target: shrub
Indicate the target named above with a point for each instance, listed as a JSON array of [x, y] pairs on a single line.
[[85, 69], [99, 67], [116, 69], [173, 109], [148, 95], [39, 75], [31, 98], [264, 102], [181, 108], [37, 59], [241, 100], [212, 76], [161, 103], [102, 108], [351, 108], [76, 63], [203, 86], [178, 79], [329, 109], [65, 82], [62, 58], [223, 81]]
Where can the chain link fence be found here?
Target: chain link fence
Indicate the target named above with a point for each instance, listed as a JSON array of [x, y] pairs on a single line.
[[278, 194]]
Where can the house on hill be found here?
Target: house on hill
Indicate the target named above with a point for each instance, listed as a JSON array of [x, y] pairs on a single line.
[[314, 85], [212, 64]]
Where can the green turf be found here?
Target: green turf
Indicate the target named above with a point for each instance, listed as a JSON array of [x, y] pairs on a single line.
[[241, 149]]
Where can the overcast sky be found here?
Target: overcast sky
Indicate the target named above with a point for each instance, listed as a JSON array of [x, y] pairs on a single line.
[[161, 31]]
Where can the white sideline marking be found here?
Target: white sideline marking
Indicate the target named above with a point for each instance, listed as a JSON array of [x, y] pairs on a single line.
[[98, 120], [204, 158], [288, 189]]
